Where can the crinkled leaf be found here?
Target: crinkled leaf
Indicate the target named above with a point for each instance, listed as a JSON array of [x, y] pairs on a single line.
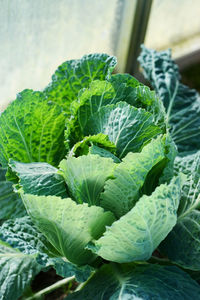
[[128, 127], [182, 245], [121, 193], [156, 282], [139, 95], [182, 103], [73, 75], [10, 203], [16, 272], [138, 233], [82, 147], [32, 129], [39, 179], [68, 226], [190, 166], [99, 94], [86, 176], [22, 234]]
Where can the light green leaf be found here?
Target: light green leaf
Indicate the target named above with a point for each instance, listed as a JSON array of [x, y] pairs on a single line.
[[32, 129], [16, 272], [68, 226], [10, 203], [82, 147], [86, 175], [138, 233], [138, 282], [182, 245], [39, 179], [22, 234], [121, 193], [73, 75], [182, 103], [128, 127]]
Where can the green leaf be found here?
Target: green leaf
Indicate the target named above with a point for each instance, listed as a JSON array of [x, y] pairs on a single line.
[[16, 272], [32, 129], [73, 75], [99, 94], [66, 269], [95, 150], [138, 233], [182, 103], [121, 193], [127, 127], [10, 203], [39, 179], [86, 175], [68, 226], [136, 94], [138, 282], [182, 245], [82, 147], [22, 234]]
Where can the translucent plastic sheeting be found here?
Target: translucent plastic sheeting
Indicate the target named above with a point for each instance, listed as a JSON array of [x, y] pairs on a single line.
[[36, 36], [174, 24]]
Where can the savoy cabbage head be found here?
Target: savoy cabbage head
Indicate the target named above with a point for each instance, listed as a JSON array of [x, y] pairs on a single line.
[[106, 176]]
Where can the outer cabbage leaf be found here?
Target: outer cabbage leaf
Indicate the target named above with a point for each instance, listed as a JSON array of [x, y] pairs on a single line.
[[23, 235], [68, 226], [182, 245], [73, 75], [66, 269], [32, 129], [121, 193], [128, 127], [10, 203], [39, 179], [138, 282], [86, 175], [182, 103], [138, 233], [16, 272]]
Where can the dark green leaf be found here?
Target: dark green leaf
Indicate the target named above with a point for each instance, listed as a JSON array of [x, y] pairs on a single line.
[[10, 203], [39, 179], [182, 103], [145, 282], [128, 127], [16, 272], [182, 245]]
